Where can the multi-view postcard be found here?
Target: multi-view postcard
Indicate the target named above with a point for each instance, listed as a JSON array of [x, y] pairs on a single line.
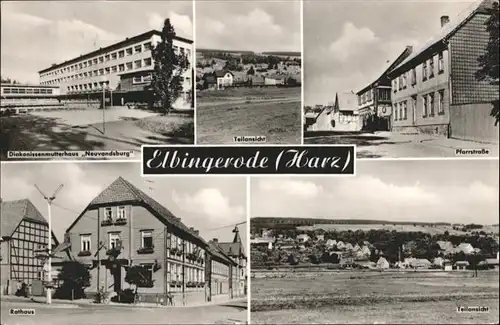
[[248, 72]]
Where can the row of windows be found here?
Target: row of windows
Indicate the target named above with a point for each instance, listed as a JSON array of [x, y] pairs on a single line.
[[129, 66], [174, 273], [383, 95], [110, 57], [146, 240], [26, 260], [100, 85], [428, 103], [45, 91], [428, 71], [220, 268]]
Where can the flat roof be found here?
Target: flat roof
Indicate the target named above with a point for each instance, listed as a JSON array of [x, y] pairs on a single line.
[[120, 44], [27, 86]]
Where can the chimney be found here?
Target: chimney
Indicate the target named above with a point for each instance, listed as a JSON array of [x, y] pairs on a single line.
[[191, 228], [197, 232], [444, 20], [215, 240]]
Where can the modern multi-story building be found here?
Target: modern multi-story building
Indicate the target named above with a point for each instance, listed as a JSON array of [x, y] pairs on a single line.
[[435, 91], [123, 69], [24, 232], [236, 251], [21, 98], [374, 100]]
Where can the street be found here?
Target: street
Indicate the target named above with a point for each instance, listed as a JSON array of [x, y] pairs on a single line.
[[64, 314], [394, 145]]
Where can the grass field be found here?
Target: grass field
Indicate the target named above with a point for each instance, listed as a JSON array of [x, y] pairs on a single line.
[[271, 112], [437, 229], [374, 297]]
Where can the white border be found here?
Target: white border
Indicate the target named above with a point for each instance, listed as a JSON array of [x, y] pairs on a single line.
[[193, 66], [257, 175], [302, 65], [249, 267]]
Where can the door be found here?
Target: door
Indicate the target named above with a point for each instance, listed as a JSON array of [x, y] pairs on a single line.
[[117, 278]]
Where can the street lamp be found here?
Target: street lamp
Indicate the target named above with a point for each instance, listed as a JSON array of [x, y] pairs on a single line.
[[49, 200], [104, 85]]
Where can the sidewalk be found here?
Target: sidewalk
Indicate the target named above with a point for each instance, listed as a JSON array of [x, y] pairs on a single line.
[[87, 302]]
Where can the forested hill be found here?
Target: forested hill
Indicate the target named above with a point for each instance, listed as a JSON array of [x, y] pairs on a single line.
[[270, 221]]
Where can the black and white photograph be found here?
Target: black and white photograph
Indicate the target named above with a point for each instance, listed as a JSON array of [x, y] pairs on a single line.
[[125, 249], [421, 83], [96, 75], [403, 242], [248, 72]]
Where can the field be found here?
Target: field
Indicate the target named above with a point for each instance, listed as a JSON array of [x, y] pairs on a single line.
[[437, 229], [373, 297], [271, 112]]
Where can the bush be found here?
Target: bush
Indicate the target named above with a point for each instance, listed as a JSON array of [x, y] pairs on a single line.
[[75, 277], [126, 296]]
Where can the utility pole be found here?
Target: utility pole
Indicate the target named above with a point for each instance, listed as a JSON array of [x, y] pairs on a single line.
[[49, 200], [103, 107]]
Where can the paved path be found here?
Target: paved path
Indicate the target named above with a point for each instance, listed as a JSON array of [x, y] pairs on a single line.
[[94, 116], [65, 314], [393, 145]]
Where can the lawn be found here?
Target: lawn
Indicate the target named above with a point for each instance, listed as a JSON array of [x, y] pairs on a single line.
[[358, 297], [247, 93], [274, 113], [30, 133]]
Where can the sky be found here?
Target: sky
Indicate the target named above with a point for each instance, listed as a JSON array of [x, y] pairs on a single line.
[[455, 191], [257, 26], [205, 203], [36, 34], [348, 44]]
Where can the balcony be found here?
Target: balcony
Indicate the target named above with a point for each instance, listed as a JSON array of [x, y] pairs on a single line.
[[146, 250], [84, 253]]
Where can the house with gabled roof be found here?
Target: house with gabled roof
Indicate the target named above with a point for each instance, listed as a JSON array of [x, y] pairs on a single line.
[[122, 227], [466, 248], [236, 251], [224, 78], [434, 90], [374, 100], [382, 263], [23, 253], [219, 272]]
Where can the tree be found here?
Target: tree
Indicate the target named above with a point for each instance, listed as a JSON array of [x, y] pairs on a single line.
[[168, 69], [139, 276], [75, 277], [488, 62], [251, 71]]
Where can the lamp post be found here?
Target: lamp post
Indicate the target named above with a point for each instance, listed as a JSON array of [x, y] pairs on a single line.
[[49, 200], [104, 107]]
